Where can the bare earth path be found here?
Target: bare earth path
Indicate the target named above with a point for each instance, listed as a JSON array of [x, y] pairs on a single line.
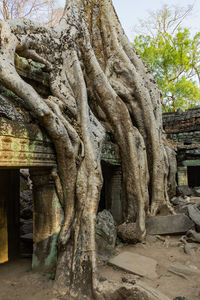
[[17, 281]]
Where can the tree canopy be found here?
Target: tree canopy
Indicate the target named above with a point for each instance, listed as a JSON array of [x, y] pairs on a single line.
[[173, 55], [43, 11]]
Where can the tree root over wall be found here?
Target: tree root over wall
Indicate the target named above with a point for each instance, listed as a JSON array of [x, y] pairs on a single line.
[[97, 82]]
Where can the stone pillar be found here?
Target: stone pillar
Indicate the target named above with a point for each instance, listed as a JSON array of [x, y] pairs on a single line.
[[116, 194], [47, 219], [182, 176], [9, 214]]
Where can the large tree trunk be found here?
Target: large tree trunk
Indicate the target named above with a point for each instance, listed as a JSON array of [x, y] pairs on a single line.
[[96, 78]]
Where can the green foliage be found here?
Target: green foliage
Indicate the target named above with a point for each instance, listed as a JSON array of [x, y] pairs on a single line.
[[52, 276], [174, 60]]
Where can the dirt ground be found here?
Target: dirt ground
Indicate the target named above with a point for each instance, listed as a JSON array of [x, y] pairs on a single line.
[[18, 281], [165, 253]]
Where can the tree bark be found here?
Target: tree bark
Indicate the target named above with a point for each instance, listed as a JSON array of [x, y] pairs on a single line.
[[98, 83]]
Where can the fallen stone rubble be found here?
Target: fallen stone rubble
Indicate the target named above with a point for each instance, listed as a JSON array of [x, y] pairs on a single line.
[[185, 223]]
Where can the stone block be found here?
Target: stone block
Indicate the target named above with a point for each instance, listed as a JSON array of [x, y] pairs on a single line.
[[197, 191], [105, 233], [184, 190], [139, 291], [173, 224], [184, 270], [194, 213], [136, 264]]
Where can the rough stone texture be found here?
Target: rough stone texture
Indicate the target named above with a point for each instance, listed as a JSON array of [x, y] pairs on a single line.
[[27, 237], [193, 236], [194, 213], [176, 122], [180, 200], [183, 128], [184, 190], [195, 200], [182, 175], [47, 219], [110, 152], [26, 213], [106, 233], [184, 270], [197, 191], [180, 298], [34, 73], [181, 204], [173, 224], [190, 248], [127, 233], [26, 226], [136, 264], [22, 142], [139, 291]]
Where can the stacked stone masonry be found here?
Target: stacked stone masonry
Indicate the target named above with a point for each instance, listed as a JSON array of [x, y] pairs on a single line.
[[183, 128]]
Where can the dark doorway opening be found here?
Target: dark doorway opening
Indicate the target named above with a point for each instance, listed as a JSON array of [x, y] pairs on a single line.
[[106, 192], [194, 176], [111, 193], [26, 214], [14, 223], [9, 214]]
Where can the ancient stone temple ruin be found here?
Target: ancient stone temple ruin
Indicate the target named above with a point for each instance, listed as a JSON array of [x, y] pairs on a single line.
[[183, 128], [25, 145]]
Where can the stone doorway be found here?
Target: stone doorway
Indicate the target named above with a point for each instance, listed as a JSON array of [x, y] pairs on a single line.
[[47, 217], [111, 193], [16, 216]]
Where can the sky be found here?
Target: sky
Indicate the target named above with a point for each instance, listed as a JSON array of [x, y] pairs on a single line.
[[130, 11]]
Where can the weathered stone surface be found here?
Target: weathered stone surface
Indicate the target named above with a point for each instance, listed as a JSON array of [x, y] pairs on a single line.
[[184, 190], [194, 213], [22, 142], [169, 224], [181, 204], [193, 236], [180, 298], [176, 122], [47, 218], [139, 291], [196, 191], [106, 233], [136, 264], [189, 248], [194, 200], [180, 200], [184, 270], [26, 227], [27, 237], [26, 213], [24, 146], [127, 232]]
